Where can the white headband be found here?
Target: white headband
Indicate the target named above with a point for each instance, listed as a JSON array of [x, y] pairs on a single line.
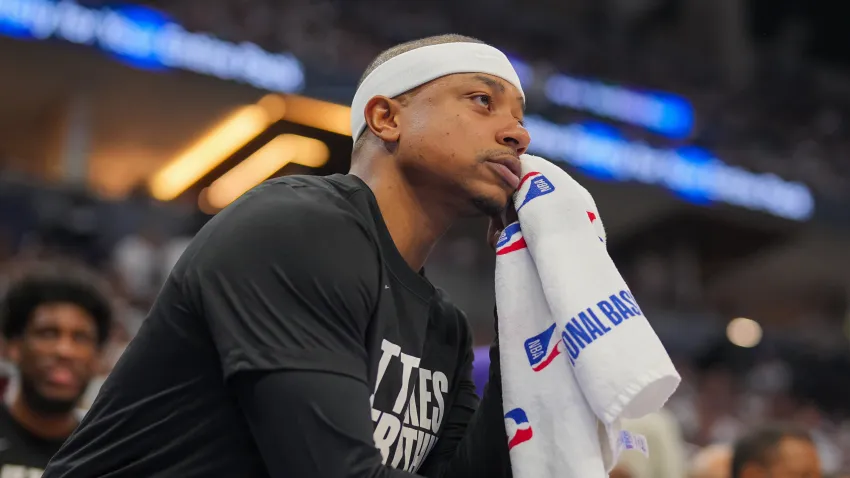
[[414, 68]]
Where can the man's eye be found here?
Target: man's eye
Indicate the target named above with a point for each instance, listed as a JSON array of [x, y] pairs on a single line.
[[484, 100]]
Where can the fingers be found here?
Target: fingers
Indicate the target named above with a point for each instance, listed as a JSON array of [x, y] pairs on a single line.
[[494, 231], [510, 214], [494, 238], [499, 222]]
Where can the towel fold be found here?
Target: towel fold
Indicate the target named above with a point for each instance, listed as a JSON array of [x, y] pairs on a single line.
[[577, 353]]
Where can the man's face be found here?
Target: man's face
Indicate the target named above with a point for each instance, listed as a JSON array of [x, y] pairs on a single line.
[[793, 458], [460, 137], [57, 356]]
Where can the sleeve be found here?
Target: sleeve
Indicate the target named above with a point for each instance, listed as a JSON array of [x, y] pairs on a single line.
[[474, 442], [287, 281], [303, 428]]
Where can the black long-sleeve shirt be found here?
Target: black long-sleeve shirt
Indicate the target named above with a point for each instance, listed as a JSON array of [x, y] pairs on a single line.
[[292, 340]]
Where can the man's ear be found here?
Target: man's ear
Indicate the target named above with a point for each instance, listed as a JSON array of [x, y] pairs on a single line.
[[382, 118]]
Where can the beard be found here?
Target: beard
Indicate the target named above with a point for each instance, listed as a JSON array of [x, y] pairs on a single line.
[[488, 206], [42, 405]]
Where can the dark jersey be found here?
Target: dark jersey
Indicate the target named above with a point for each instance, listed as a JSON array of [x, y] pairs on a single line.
[[298, 280], [23, 454]]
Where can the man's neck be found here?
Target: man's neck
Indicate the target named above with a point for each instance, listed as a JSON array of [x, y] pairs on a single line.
[[414, 223], [44, 426]]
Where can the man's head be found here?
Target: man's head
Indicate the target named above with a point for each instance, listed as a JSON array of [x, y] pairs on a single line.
[[455, 137], [776, 452], [55, 327]]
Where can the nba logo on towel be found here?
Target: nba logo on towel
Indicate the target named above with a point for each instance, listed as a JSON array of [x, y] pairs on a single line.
[[510, 240], [517, 427], [541, 350], [538, 186]]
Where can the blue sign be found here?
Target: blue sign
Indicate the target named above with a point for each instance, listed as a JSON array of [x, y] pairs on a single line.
[[692, 173], [146, 39], [664, 113]]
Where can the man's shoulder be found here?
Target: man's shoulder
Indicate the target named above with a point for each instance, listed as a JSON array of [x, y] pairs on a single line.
[[343, 185], [326, 192], [305, 202], [308, 215]]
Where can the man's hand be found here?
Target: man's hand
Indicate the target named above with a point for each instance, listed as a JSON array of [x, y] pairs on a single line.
[[498, 223]]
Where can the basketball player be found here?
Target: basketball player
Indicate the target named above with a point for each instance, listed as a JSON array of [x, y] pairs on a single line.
[[297, 336], [55, 327]]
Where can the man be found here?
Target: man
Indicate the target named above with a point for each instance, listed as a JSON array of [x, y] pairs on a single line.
[[297, 335], [54, 327], [776, 452]]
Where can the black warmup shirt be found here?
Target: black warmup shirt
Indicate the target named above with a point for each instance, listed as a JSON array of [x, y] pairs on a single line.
[[293, 340], [22, 454]]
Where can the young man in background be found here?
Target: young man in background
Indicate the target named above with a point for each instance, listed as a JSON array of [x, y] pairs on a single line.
[[54, 326]]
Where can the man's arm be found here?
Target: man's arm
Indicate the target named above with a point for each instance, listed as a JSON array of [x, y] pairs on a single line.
[[312, 424], [315, 424]]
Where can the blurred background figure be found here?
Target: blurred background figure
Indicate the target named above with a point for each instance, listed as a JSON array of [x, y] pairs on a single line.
[[776, 451], [713, 135], [713, 461], [667, 457], [55, 325]]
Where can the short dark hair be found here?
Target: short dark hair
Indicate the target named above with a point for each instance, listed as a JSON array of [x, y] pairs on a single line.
[[39, 288], [760, 445], [409, 46]]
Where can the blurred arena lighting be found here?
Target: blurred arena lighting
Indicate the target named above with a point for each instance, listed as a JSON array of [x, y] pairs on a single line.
[[661, 112], [692, 173], [274, 155], [216, 146], [240, 128], [315, 113], [744, 332], [147, 39]]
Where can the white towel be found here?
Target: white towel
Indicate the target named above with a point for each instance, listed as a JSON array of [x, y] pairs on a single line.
[[577, 354]]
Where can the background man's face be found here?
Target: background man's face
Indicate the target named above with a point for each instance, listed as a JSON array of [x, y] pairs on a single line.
[[793, 458], [57, 356]]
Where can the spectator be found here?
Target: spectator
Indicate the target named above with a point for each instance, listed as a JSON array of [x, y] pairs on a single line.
[[774, 452], [55, 327]]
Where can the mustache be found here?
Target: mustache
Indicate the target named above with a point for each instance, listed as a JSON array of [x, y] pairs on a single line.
[[485, 156]]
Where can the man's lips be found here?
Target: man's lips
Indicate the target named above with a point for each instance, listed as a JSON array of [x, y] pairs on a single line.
[[61, 376], [507, 175], [508, 167]]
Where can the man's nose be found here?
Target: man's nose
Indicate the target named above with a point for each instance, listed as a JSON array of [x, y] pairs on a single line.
[[67, 347], [516, 137]]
